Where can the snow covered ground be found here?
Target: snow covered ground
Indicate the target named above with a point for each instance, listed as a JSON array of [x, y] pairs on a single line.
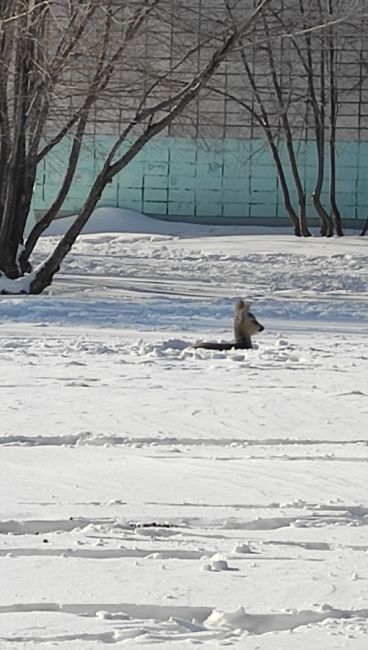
[[157, 495]]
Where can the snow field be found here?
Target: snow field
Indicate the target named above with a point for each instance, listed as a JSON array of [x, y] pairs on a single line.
[[157, 495]]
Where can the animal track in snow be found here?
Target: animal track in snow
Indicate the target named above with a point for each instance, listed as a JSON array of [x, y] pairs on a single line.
[[88, 438], [41, 526], [102, 554], [161, 623]]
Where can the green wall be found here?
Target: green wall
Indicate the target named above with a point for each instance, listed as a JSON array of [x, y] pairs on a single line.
[[227, 179]]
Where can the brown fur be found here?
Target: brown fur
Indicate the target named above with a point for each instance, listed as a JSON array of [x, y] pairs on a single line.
[[245, 326]]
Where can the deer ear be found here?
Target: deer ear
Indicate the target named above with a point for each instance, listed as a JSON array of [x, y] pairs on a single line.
[[240, 305]]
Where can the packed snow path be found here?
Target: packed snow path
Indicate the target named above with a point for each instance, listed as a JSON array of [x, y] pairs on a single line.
[[157, 495]]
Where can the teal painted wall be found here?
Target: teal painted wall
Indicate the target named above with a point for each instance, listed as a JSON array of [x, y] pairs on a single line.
[[213, 178]]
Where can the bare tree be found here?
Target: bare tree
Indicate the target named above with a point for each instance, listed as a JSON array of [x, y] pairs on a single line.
[[315, 68], [287, 132], [268, 95], [321, 46], [54, 51], [259, 111], [333, 104], [63, 60], [294, 61]]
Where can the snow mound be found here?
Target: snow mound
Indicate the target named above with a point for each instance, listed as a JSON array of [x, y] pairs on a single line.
[[110, 220], [242, 547], [169, 347], [263, 623], [216, 563]]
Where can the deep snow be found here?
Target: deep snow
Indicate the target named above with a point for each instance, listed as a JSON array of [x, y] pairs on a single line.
[[154, 494]]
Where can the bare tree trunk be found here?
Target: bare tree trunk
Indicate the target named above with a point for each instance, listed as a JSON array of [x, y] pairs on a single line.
[[297, 223], [6, 38], [302, 216], [24, 102], [263, 121], [52, 212], [15, 175], [100, 80], [336, 216], [318, 107], [364, 230]]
